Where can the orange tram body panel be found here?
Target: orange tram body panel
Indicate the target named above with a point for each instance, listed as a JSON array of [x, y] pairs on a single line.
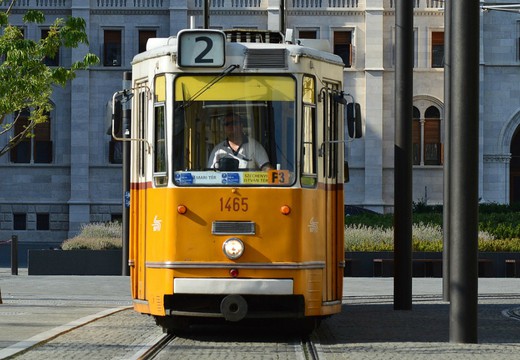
[[236, 179]]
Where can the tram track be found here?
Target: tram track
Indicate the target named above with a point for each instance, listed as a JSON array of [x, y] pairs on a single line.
[[310, 350], [154, 348], [304, 348], [138, 338]]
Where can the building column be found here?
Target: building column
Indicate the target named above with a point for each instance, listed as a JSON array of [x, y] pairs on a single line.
[[422, 144], [374, 105], [180, 17], [496, 179], [273, 15], [79, 202]]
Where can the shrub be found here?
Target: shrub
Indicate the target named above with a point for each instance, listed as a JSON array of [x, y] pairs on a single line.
[[425, 237], [504, 223], [371, 220], [96, 236], [365, 238], [387, 220], [494, 208], [500, 245]]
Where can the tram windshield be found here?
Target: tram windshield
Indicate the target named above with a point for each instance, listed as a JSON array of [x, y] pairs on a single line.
[[238, 131]]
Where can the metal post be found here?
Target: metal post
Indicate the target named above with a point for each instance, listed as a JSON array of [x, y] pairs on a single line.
[[464, 149], [447, 162], [403, 156], [14, 255], [282, 16], [205, 14], [125, 129]]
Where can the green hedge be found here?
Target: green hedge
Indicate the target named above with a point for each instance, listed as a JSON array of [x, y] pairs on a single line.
[[499, 229], [504, 223]]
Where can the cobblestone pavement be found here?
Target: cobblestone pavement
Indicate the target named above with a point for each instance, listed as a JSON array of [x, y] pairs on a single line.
[[40, 306], [367, 328], [118, 336], [124, 334]]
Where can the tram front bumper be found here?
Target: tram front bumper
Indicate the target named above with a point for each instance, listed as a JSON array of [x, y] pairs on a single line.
[[233, 286], [234, 299]]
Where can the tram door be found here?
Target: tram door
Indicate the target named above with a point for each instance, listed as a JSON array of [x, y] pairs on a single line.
[[140, 185], [330, 166]]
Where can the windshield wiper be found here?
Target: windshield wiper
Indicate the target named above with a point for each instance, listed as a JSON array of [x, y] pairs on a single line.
[[187, 103]]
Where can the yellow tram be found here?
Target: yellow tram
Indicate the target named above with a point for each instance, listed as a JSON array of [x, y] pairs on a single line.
[[236, 178]]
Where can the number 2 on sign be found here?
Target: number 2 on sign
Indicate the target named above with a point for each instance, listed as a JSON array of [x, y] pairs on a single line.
[[234, 204]]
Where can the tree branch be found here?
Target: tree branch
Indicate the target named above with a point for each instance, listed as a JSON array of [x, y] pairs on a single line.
[[8, 11]]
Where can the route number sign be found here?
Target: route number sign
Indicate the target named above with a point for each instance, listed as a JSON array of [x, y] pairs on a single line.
[[201, 48]]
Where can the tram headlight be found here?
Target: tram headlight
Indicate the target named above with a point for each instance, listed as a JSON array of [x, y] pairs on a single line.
[[233, 248]]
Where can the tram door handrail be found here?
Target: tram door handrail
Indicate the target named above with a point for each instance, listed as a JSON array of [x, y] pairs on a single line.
[[127, 95]]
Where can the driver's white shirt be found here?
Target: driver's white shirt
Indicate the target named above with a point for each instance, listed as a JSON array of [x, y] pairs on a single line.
[[250, 155]]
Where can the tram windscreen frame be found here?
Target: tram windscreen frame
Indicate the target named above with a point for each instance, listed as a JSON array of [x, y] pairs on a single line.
[[266, 108]]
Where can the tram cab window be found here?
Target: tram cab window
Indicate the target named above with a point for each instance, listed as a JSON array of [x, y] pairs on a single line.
[[238, 131], [238, 150]]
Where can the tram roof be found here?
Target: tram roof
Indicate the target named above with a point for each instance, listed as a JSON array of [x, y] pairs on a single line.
[[311, 48]]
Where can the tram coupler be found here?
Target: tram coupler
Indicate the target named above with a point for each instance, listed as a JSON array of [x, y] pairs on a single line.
[[233, 307]]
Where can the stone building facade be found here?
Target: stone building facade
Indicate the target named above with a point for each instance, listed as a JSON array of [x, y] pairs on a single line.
[[69, 174]]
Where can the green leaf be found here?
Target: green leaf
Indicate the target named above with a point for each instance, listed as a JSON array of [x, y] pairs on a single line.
[[34, 16], [4, 19], [25, 80]]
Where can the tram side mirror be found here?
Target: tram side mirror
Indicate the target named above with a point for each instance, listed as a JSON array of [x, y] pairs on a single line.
[[354, 125], [115, 117], [346, 172]]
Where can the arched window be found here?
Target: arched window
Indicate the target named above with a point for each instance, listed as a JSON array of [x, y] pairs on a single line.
[[416, 136], [432, 136], [35, 149], [514, 169], [426, 136]]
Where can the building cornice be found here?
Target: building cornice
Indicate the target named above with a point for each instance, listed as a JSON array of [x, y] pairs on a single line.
[[324, 13], [60, 12], [130, 12], [417, 13]]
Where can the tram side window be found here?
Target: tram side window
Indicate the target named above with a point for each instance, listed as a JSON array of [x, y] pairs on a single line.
[[309, 168], [309, 152], [142, 116], [332, 136], [159, 163]]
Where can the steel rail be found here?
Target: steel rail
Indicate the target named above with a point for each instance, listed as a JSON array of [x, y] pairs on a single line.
[[310, 350], [155, 348]]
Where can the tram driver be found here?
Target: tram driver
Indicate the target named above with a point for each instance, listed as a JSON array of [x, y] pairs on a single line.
[[238, 151]]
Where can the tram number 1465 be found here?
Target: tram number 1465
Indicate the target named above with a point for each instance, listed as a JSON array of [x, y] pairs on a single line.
[[234, 204]]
